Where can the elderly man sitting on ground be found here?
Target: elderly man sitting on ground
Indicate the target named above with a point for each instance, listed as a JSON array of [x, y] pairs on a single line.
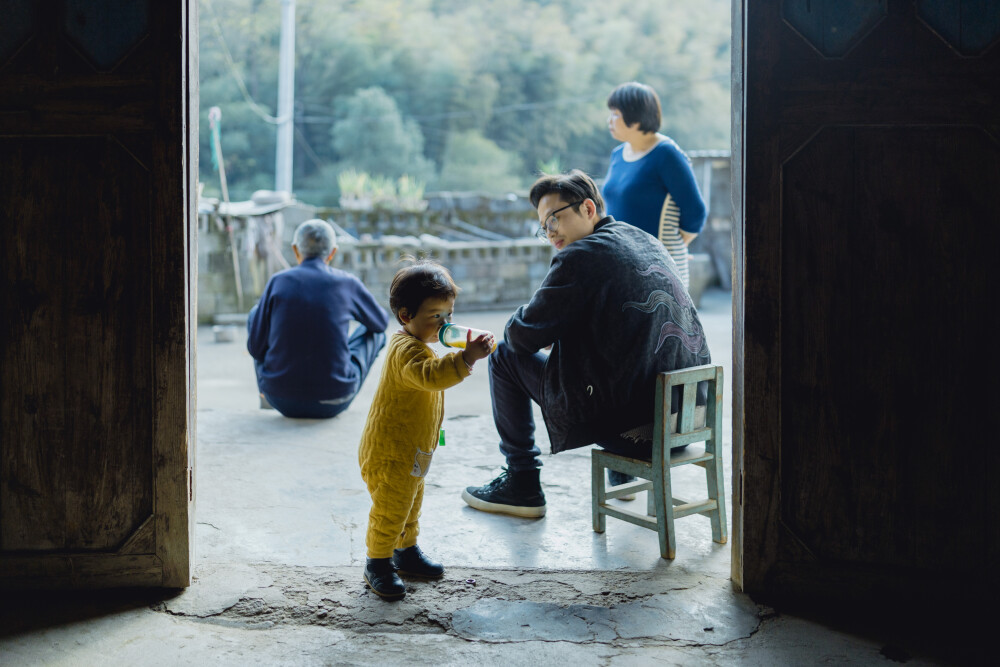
[[308, 362]]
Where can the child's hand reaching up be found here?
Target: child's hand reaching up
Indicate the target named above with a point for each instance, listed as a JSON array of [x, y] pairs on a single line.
[[477, 348]]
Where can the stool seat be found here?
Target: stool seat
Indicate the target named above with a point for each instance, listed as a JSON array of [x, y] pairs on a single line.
[[687, 425], [645, 433]]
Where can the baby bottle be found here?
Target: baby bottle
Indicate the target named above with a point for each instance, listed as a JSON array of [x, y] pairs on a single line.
[[454, 335]]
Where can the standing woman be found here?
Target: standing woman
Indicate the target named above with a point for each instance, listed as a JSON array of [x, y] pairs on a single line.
[[650, 183]]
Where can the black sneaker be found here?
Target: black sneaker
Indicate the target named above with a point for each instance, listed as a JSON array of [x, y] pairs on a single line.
[[616, 478], [382, 578], [517, 493], [413, 562]]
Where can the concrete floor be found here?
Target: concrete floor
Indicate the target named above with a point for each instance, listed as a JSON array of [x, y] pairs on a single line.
[[280, 519]]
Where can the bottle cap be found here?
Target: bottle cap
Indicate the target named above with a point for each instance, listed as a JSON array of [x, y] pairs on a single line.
[[444, 327]]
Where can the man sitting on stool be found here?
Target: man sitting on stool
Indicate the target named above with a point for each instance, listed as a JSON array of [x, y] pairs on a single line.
[[616, 314], [307, 363]]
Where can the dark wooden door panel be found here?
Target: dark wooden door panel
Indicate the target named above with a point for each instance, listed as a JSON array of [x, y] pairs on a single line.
[[873, 255], [97, 184], [869, 165], [77, 364]]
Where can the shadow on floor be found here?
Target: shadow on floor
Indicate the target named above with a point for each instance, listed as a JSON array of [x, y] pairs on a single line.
[[31, 611]]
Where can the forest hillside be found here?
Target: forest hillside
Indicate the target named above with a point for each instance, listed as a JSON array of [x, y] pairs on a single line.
[[453, 94]]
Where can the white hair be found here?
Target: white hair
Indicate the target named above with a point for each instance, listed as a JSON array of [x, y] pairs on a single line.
[[315, 238]]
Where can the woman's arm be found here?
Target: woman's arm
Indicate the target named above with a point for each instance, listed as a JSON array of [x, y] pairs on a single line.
[[678, 177]]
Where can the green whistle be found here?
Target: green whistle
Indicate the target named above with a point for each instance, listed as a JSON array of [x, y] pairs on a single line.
[[441, 438]]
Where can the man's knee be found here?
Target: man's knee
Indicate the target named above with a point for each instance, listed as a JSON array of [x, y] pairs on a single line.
[[501, 357], [509, 364]]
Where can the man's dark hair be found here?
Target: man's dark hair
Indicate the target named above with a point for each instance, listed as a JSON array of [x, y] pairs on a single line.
[[638, 103], [573, 186], [421, 279]]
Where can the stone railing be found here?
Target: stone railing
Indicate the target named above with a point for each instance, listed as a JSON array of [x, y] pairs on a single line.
[[495, 272], [485, 225], [491, 274]]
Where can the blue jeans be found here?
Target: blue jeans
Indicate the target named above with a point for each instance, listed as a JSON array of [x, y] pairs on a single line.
[[516, 381], [364, 347]]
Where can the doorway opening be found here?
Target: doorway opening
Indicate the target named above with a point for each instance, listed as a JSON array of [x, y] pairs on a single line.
[[289, 491]]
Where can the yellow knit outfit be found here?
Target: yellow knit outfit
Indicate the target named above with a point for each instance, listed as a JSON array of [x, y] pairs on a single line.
[[400, 437]]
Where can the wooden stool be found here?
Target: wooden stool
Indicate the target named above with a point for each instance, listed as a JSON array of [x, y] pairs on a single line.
[[669, 431]]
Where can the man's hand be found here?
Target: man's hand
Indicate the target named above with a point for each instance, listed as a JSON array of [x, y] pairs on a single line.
[[478, 348]]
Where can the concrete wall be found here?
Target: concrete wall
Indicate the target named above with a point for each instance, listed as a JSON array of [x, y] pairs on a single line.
[[492, 273], [715, 243]]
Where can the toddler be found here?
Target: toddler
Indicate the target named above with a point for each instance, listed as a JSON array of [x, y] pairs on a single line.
[[403, 424]]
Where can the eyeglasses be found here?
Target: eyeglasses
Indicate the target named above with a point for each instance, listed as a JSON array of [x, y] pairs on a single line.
[[551, 223]]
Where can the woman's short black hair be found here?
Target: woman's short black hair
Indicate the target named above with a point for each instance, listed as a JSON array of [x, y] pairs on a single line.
[[638, 103], [420, 280], [573, 186]]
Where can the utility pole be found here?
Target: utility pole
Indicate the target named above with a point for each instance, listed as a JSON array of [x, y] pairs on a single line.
[[286, 99]]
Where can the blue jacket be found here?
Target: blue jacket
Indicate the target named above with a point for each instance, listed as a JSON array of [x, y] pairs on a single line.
[[299, 331], [616, 314]]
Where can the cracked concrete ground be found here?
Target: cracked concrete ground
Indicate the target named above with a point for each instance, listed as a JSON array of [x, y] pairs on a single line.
[[280, 519]]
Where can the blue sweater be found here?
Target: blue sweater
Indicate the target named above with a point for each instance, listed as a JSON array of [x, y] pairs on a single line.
[[634, 192], [299, 331]]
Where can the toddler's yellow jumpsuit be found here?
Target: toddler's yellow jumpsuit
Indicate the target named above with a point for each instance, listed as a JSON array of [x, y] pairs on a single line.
[[400, 437]]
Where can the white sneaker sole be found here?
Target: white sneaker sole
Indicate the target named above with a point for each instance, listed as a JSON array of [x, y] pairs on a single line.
[[497, 508]]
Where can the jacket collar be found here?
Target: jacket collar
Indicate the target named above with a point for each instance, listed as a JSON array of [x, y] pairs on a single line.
[[603, 221]]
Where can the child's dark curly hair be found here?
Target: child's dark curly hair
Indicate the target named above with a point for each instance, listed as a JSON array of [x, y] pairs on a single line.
[[421, 279]]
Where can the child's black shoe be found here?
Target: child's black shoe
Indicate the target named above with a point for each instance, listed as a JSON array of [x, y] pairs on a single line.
[[412, 561], [382, 578]]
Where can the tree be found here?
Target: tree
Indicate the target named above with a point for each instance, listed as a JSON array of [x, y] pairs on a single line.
[[529, 76], [473, 162], [373, 137]]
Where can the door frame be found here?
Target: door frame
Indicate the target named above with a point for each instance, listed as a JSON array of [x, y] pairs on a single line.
[[737, 114]]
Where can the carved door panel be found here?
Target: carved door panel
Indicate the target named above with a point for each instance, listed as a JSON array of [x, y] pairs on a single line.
[[867, 153], [96, 241]]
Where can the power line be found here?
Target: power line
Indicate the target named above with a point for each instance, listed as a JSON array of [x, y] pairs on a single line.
[[304, 143], [256, 108], [447, 115], [511, 108]]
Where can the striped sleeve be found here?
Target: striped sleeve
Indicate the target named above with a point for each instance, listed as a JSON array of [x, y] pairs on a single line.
[[670, 236]]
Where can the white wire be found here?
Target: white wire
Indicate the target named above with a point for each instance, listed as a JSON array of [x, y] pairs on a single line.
[[256, 108]]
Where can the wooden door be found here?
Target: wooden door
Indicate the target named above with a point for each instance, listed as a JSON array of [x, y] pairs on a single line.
[[97, 167], [867, 167]]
